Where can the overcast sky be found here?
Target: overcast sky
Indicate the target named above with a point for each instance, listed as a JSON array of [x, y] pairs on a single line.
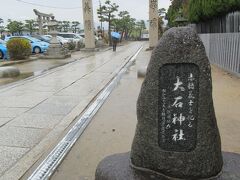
[[17, 10]]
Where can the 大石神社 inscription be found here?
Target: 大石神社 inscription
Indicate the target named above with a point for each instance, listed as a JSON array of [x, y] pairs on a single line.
[[178, 103]]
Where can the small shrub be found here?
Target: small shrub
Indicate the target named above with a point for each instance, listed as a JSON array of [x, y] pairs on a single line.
[[71, 45], [81, 44], [19, 48]]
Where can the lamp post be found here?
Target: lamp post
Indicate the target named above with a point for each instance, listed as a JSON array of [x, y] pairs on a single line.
[[180, 20]]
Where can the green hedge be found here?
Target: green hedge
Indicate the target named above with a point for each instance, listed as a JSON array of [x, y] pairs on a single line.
[[202, 10], [19, 48]]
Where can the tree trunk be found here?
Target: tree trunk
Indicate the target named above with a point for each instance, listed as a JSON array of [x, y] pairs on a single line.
[[126, 34], [122, 35], [130, 32], [109, 29]]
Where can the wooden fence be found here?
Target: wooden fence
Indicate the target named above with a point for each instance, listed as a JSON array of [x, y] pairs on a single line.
[[223, 24], [223, 49]]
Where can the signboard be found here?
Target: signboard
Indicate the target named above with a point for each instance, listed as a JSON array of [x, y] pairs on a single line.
[[178, 107]]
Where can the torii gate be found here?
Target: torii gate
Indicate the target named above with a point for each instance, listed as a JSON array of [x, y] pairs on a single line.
[[88, 23], [42, 18]]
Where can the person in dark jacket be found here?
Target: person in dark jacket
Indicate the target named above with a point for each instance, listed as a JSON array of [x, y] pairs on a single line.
[[114, 42]]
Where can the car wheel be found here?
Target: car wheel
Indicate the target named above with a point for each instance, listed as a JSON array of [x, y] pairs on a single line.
[[1, 55], [37, 50]]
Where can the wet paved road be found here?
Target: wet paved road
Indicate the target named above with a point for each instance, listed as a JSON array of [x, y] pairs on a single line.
[[35, 112], [36, 67]]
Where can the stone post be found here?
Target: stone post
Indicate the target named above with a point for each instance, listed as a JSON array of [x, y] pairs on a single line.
[[88, 24], [40, 24], [153, 23]]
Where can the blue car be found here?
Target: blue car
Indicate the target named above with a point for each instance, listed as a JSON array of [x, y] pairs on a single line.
[[3, 50], [38, 46]]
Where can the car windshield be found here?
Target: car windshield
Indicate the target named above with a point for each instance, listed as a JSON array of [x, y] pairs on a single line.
[[67, 35], [33, 39], [78, 36], [46, 37], [82, 35], [43, 38], [61, 38]]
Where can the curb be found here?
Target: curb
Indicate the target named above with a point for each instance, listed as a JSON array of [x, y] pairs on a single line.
[[8, 63]]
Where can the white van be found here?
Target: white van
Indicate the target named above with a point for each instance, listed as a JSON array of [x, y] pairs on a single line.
[[72, 37]]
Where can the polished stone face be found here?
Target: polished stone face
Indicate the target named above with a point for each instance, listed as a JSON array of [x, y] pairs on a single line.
[[178, 103]]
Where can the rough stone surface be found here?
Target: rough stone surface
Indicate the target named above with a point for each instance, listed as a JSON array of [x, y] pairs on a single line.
[[203, 158], [4, 121], [88, 24], [9, 155], [21, 137], [28, 120], [52, 109], [90, 49], [11, 112], [56, 52], [9, 71], [118, 167]]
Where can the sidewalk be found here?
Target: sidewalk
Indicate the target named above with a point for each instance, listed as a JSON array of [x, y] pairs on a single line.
[[113, 127], [37, 66], [35, 112]]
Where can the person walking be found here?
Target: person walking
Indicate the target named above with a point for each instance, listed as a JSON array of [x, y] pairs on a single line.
[[114, 42]]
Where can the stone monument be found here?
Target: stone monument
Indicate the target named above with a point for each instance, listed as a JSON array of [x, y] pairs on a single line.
[[177, 135], [153, 23], [88, 25], [55, 50]]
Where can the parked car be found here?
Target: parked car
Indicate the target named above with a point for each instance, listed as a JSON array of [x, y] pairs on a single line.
[[72, 37], [83, 36], [42, 38], [60, 39], [38, 46], [48, 36], [3, 50]]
